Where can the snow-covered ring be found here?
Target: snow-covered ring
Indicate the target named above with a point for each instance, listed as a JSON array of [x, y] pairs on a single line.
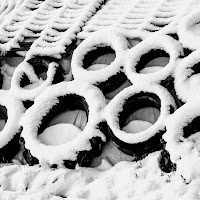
[[100, 39], [32, 121], [183, 133], [36, 86], [187, 32], [146, 92], [187, 77], [157, 44], [9, 135]]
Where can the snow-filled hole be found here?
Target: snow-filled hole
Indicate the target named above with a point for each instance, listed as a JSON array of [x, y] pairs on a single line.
[[98, 58], [3, 117], [139, 112], [64, 121], [192, 127], [113, 85], [152, 61]]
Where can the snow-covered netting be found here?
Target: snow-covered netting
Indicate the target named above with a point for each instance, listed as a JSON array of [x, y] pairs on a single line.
[[102, 97]]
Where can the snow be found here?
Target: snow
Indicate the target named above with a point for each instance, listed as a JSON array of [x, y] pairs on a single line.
[[148, 70], [79, 131], [59, 134], [137, 126], [95, 67], [126, 180], [100, 39], [188, 30], [112, 111], [45, 102], [156, 42], [187, 78]]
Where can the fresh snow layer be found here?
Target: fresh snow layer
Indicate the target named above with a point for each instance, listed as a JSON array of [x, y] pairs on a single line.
[[137, 126], [126, 180], [148, 70], [95, 67], [59, 134]]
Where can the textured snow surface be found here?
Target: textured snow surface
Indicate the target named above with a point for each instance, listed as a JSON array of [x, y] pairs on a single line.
[[124, 181], [90, 83]]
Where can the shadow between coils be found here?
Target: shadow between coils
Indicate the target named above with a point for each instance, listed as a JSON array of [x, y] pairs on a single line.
[[168, 83], [9, 150], [12, 147], [40, 67], [113, 85]]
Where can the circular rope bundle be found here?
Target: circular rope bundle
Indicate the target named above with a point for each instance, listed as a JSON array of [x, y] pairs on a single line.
[[188, 30], [187, 76], [182, 135], [144, 104], [11, 111], [55, 106], [97, 59], [31, 77], [153, 59]]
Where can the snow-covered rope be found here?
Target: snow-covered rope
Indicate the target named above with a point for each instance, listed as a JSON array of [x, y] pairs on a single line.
[[130, 106], [50, 106]]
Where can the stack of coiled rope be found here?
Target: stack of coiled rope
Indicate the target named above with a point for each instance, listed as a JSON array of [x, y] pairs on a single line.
[[119, 71]]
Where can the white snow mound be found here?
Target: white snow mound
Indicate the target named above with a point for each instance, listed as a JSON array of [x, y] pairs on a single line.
[[59, 134]]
